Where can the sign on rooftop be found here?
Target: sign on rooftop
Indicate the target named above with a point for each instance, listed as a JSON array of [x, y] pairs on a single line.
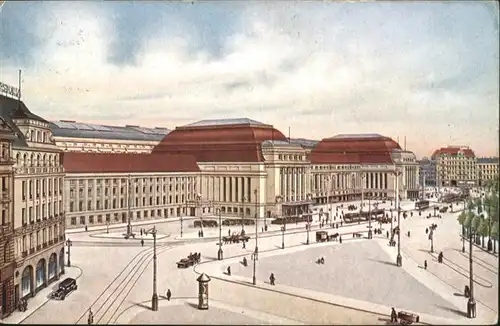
[[9, 90]]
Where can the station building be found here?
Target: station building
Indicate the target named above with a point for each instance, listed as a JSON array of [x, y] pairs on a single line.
[[248, 168], [38, 199], [108, 188]]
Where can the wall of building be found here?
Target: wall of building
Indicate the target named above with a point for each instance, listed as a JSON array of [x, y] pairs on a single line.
[[7, 230], [38, 210], [100, 198]]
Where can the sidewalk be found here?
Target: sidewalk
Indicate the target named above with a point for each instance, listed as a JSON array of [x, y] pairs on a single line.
[[124, 225], [42, 297]]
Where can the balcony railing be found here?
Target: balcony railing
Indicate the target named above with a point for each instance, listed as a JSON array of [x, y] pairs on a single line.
[[51, 242], [45, 245], [24, 254], [38, 247]]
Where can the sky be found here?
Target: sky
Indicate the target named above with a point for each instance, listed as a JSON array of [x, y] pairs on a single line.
[[425, 70]]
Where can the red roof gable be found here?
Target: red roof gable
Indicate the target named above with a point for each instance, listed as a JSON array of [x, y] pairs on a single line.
[[225, 143], [358, 149], [75, 162], [450, 150]]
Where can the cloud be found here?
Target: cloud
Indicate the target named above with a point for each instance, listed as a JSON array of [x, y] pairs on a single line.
[[320, 68]]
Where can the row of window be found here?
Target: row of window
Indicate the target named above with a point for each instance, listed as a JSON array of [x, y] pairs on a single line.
[[47, 159], [123, 190], [42, 211], [122, 217], [123, 203], [42, 238], [335, 167], [147, 181], [106, 145], [44, 187], [291, 157]]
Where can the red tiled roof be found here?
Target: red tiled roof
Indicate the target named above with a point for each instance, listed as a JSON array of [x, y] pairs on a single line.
[[356, 150], [75, 162], [450, 150], [225, 143]]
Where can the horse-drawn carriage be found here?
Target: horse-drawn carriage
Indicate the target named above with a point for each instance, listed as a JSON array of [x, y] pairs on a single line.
[[235, 238], [322, 236], [407, 318]]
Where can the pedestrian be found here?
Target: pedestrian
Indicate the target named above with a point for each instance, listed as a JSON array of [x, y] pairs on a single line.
[[91, 317], [86, 228], [262, 229], [229, 232], [271, 279], [229, 270], [142, 242], [340, 240], [199, 234], [425, 264], [245, 263], [141, 232], [169, 294], [394, 316], [244, 245], [387, 234]]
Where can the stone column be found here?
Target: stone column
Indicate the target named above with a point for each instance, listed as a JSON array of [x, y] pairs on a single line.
[[290, 184]]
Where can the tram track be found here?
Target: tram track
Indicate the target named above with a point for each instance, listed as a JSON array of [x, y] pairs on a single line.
[[480, 262], [102, 307]]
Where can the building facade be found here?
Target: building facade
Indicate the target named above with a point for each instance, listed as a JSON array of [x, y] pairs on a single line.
[[72, 136], [104, 189], [455, 166], [487, 170], [7, 265], [38, 200], [249, 168], [427, 171]]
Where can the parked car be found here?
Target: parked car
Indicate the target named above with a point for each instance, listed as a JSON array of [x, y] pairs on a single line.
[[65, 287]]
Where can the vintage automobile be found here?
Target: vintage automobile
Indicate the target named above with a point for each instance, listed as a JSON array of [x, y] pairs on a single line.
[[322, 236], [443, 209], [407, 318], [185, 262], [65, 287]]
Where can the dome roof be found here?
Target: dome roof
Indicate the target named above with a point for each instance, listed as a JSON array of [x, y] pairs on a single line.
[[226, 140], [354, 149]]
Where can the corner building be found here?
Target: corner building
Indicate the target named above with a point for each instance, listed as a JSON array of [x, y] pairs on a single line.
[[7, 264], [38, 201], [104, 188], [248, 168], [455, 166]]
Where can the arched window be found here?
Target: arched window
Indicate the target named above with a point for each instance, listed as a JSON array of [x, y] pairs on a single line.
[[18, 159], [44, 160], [38, 160]]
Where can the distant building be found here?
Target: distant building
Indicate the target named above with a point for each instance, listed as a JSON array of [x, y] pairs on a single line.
[[427, 167], [487, 169], [72, 136], [455, 166]]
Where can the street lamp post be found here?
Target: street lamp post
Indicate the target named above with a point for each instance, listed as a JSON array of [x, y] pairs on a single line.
[[129, 208], [243, 215], [220, 254], [282, 237], [399, 258], [256, 252], [154, 299], [369, 218], [392, 218], [308, 227], [431, 237], [471, 304], [107, 227], [69, 243]]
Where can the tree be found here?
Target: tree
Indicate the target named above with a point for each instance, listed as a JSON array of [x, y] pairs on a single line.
[[494, 234], [461, 220], [479, 205], [475, 224], [468, 221], [483, 230]]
